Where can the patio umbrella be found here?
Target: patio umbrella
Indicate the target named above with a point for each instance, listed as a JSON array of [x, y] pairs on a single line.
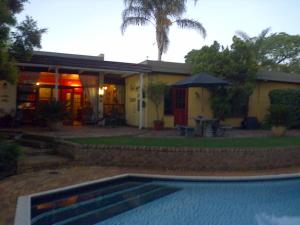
[[203, 79]]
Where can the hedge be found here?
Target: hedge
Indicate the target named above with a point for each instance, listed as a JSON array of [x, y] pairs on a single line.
[[290, 99]]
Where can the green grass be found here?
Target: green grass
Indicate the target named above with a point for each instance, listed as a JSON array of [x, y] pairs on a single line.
[[257, 142]]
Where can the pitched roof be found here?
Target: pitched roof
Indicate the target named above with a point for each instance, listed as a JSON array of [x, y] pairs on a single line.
[[202, 79], [278, 76], [169, 67], [72, 61]]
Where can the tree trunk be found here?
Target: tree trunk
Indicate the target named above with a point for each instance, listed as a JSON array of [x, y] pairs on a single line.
[[159, 42]]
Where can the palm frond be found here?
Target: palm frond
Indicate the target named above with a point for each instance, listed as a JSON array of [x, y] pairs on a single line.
[[191, 24], [139, 21], [133, 11], [243, 35], [264, 33]]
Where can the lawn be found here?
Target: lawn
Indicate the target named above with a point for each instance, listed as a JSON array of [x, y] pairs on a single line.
[[257, 142]]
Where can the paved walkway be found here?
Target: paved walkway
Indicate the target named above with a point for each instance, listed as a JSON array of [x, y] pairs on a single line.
[[30, 183]]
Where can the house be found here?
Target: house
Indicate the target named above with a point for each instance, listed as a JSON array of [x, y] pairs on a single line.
[[106, 87]]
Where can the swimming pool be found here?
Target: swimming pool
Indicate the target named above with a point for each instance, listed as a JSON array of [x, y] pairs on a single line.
[[147, 200]]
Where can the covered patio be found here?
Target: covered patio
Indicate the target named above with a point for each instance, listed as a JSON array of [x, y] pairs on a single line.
[[89, 87]]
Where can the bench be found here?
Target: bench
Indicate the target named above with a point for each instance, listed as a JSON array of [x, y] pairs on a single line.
[[186, 131]]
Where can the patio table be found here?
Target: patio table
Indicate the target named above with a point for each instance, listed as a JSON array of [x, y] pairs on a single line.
[[204, 126]]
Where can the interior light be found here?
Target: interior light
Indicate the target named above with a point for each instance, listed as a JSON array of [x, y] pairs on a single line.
[[37, 83], [105, 88], [101, 91]]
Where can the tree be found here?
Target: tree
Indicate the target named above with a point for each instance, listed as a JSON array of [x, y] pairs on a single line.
[[236, 64], [161, 14], [276, 51], [18, 43], [155, 93]]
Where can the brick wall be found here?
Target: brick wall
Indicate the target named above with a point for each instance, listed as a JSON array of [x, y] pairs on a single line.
[[181, 158]]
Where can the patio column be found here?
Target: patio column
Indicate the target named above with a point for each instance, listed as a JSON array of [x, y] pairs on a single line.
[[56, 84], [100, 107], [141, 115]]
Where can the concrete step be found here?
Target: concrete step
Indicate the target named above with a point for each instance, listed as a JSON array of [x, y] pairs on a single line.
[[28, 151], [32, 143]]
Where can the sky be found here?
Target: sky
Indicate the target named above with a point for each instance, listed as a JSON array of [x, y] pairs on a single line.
[[92, 27]]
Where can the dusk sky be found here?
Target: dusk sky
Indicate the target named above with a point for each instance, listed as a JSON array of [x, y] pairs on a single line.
[[91, 27]]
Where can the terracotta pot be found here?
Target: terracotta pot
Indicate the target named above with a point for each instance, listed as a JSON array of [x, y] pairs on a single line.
[[55, 125], [158, 124], [278, 131]]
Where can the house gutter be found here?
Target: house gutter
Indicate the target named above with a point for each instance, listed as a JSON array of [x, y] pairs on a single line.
[[76, 68]]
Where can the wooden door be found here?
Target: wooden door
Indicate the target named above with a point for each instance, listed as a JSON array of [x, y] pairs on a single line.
[[180, 106]]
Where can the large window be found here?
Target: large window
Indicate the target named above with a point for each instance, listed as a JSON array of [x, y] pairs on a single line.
[[238, 106], [168, 107]]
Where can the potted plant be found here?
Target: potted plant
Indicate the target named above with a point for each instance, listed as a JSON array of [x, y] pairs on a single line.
[[53, 112], [278, 115], [155, 93]]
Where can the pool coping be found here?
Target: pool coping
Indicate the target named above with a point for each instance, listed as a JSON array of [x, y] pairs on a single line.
[[23, 209]]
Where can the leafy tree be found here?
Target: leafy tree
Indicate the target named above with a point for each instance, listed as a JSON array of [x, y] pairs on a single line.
[[277, 51], [155, 93], [18, 43], [236, 64], [161, 14]]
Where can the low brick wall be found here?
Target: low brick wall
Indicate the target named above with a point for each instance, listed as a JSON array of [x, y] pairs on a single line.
[[211, 159]]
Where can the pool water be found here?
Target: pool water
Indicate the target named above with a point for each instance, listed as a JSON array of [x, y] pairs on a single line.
[[162, 202]]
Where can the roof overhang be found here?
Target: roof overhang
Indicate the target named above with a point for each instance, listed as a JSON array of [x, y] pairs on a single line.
[[47, 61]]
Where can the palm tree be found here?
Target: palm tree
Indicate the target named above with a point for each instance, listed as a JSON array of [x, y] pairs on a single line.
[[161, 14], [257, 43]]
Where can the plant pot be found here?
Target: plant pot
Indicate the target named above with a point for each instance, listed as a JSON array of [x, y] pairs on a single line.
[[55, 125], [158, 124], [278, 131]]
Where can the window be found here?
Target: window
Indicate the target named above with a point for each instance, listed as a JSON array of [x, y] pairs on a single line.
[[168, 109], [238, 107]]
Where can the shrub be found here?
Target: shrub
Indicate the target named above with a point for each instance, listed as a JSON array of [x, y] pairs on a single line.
[[155, 92], [290, 100], [53, 111], [9, 155], [278, 115]]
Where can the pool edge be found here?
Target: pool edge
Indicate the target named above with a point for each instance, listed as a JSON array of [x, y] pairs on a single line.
[[23, 214]]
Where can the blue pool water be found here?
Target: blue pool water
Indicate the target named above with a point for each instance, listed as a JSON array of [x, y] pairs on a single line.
[[161, 202]]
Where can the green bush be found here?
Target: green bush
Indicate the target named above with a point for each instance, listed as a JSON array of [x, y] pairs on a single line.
[[290, 100], [278, 115], [9, 154], [53, 111]]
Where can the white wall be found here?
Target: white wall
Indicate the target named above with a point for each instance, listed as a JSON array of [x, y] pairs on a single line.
[[8, 95]]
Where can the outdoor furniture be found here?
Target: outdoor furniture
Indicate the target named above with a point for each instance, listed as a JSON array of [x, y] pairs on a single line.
[[204, 126], [219, 130], [89, 118], [186, 131], [210, 127]]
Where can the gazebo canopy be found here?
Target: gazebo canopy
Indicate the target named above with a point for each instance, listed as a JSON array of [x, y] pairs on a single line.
[[203, 79]]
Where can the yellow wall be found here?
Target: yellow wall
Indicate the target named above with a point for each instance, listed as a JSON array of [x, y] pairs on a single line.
[[132, 98], [198, 101], [198, 104], [150, 108], [259, 101], [7, 98]]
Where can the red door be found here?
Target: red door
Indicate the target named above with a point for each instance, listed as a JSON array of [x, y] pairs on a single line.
[[180, 106]]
